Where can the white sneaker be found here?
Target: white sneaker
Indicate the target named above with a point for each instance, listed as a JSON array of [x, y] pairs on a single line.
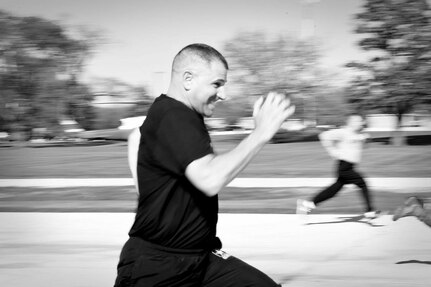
[[371, 214], [304, 206]]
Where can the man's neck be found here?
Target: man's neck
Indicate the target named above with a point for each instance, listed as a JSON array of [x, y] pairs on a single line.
[[180, 97], [352, 130]]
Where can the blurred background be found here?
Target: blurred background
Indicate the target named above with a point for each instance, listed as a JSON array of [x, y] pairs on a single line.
[[85, 71], [77, 77]]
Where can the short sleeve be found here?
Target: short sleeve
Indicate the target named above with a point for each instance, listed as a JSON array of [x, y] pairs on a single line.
[[333, 135], [182, 138]]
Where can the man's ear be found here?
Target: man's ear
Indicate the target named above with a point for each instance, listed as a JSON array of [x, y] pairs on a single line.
[[187, 80]]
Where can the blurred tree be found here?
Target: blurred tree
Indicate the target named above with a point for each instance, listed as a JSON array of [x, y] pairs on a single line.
[[397, 78], [143, 102], [116, 99], [40, 64], [259, 64]]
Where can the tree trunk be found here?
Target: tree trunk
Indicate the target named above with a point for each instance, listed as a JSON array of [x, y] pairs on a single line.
[[398, 138]]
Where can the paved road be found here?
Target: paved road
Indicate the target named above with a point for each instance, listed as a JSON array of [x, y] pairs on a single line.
[[81, 249]]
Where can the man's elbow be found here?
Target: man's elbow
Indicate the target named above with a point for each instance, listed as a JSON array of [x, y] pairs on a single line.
[[210, 190], [322, 136], [208, 185], [204, 177]]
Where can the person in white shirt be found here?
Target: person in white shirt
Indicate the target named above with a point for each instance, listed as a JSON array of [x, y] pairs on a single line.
[[345, 146]]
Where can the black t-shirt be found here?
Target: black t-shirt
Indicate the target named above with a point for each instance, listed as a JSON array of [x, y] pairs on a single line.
[[171, 211]]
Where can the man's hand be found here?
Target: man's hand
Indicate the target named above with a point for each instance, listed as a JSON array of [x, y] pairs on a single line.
[[212, 172], [270, 113]]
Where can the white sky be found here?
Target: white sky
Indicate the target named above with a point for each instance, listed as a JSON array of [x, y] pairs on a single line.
[[143, 36]]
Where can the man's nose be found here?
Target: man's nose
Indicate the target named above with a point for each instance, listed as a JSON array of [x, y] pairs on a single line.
[[221, 93]]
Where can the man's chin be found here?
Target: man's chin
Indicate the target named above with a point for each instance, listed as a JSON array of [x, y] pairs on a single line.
[[208, 113]]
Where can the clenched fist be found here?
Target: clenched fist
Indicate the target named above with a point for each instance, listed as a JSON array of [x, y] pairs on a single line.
[[270, 112]]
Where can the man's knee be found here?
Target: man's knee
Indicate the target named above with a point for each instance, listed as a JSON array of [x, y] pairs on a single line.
[[234, 272]]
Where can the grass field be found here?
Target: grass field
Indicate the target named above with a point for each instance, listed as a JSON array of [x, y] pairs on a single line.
[[275, 160], [231, 200]]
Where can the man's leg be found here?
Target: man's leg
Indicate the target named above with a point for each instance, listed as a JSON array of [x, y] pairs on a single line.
[[305, 206], [229, 271], [349, 175], [365, 193], [142, 265], [333, 189], [328, 192], [353, 177]]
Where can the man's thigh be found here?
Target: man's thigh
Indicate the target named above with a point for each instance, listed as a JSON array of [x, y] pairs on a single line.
[[353, 177], [229, 271], [141, 266]]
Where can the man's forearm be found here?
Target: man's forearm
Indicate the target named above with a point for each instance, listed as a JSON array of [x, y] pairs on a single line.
[[231, 163], [327, 142], [223, 168], [212, 172]]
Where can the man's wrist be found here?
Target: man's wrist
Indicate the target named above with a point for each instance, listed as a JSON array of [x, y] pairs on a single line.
[[258, 137]]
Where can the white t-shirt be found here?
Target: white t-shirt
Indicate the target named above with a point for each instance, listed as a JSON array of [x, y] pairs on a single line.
[[344, 144]]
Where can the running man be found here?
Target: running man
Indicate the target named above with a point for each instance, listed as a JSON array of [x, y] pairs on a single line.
[[345, 145], [173, 241]]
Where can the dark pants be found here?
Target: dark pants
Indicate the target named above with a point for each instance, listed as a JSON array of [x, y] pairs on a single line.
[[346, 174], [143, 264]]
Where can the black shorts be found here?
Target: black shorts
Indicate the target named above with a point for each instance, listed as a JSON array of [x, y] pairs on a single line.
[[146, 264]]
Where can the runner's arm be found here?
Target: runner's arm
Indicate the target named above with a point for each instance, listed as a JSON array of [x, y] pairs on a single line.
[[328, 140], [212, 172]]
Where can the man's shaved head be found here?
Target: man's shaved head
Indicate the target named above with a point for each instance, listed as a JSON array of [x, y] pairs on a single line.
[[199, 73], [196, 54]]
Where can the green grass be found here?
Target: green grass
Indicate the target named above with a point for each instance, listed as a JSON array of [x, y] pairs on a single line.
[[275, 160], [231, 200]]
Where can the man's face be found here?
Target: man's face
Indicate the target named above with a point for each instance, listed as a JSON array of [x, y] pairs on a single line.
[[356, 123], [208, 87]]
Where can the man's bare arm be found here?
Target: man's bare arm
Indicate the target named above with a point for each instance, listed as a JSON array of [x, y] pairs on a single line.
[[328, 139], [212, 172]]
